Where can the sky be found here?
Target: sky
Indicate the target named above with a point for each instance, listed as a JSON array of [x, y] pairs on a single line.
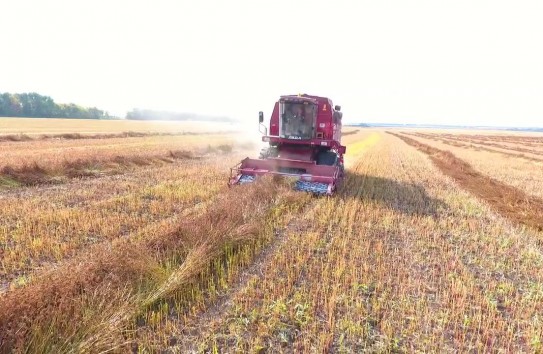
[[435, 62]]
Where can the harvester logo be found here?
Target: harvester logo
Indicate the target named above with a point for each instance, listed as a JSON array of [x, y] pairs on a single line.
[[324, 108]]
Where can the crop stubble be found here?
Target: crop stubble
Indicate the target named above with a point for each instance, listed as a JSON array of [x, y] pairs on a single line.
[[401, 260]]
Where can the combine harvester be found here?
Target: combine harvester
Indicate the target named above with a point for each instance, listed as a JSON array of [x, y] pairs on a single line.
[[304, 143]]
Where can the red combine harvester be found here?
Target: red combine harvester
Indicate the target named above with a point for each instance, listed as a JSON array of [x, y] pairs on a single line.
[[304, 143]]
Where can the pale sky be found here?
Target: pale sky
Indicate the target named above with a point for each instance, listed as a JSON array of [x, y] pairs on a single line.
[[442, 62]]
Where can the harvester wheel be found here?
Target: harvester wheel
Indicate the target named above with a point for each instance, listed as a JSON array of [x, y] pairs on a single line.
[[328, 158]]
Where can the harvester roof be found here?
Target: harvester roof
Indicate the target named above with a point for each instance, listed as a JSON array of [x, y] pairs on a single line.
[[306, 98]]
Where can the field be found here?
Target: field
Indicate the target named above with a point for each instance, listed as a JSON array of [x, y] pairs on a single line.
[[127, 239]]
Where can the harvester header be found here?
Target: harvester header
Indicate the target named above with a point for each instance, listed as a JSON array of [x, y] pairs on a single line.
[[304, 142]]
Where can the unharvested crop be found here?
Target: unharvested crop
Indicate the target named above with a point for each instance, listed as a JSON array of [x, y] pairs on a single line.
[[77, 136]]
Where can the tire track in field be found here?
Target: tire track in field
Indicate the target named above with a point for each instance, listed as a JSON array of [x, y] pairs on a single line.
[[508, 201]]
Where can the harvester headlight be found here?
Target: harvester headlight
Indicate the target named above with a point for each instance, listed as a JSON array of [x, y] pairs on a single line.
[[324, 143], [266, 138]]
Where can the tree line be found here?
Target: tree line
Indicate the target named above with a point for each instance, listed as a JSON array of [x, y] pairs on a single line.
[[38, 106]]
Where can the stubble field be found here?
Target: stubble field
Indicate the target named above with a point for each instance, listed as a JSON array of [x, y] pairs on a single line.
[[131, 243]]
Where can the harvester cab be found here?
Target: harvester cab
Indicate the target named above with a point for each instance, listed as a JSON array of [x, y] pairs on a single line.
[[304, 142]]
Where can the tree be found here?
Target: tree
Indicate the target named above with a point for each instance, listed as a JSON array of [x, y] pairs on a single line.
[[35, 105]]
